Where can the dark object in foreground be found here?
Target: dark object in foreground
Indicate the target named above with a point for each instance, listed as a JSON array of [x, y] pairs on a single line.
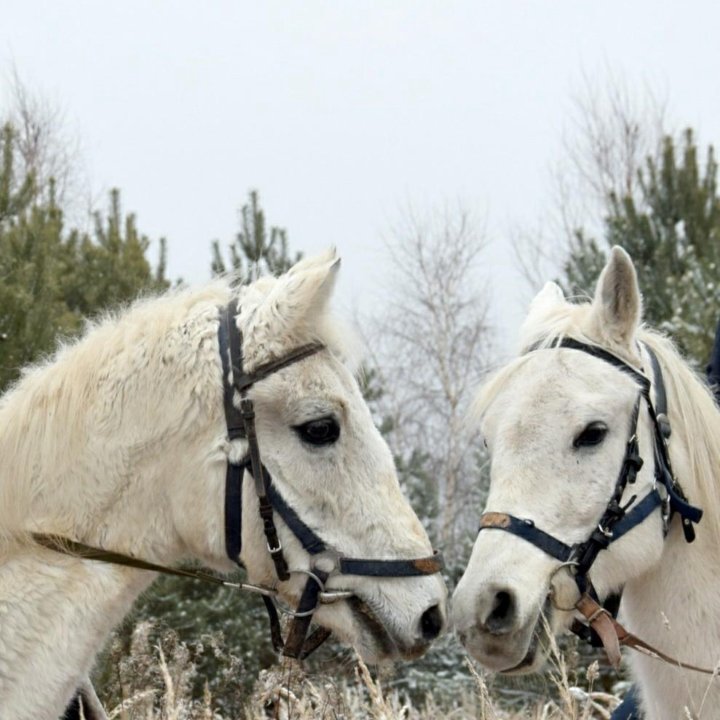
[[628, 708], [85, 705]]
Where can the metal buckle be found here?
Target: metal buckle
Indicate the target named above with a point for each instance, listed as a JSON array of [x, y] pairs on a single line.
[[607, 533], [274, 550], [665, 512]]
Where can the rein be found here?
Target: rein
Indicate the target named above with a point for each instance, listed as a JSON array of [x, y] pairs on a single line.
[[325, 561], [617, 519]]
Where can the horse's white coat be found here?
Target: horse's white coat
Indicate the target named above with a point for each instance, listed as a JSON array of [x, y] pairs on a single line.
[[531, 412], [119, 441]]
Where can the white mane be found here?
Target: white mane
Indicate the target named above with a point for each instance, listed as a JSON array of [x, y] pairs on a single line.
[[63, 388]]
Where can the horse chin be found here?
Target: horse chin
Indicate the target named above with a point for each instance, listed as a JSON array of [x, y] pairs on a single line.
[[532, 662], [520, 653], [358, 623]]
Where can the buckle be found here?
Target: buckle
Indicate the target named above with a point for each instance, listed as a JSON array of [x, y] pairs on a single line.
[[274, 550]]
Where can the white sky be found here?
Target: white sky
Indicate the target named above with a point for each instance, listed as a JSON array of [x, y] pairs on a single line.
[[341, 113]]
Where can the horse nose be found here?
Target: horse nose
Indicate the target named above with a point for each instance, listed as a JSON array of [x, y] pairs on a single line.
[[500, 613], [432, 622]]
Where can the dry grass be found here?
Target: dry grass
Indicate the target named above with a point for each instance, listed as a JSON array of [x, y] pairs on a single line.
[[155, 682]]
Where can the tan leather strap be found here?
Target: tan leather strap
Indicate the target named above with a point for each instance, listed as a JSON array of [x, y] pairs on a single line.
[[73, 548], [613, 635], [604, 625]]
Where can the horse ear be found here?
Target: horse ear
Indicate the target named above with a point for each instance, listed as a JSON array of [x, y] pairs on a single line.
[[301, 295], [314, 261], [617, 306], [542, 305], [550, 295]]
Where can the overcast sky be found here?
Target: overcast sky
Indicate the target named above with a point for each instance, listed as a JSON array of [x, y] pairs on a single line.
[[341, 113]]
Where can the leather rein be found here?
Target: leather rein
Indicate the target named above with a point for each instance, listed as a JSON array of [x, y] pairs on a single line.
[[325, 561], [617, 519]]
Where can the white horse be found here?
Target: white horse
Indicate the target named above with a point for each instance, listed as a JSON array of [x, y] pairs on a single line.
[[121, 442], [556, 422]]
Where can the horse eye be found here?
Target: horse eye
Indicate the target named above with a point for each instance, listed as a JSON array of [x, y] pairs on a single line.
[[323, 431], [593, 434]]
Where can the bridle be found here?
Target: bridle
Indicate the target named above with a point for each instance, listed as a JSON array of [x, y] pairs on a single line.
[[325, 561], [617, 519]]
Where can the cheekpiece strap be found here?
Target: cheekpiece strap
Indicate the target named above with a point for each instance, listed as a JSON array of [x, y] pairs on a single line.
[[230, 348]]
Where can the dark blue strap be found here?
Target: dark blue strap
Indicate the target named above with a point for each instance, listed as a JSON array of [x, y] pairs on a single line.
[[309, 601], [308, 538], [527, 530], [229, 337], [608, 357], [637, 515], [713, 368], [314, 545], [233, 511], [392, 568], [629, 708]]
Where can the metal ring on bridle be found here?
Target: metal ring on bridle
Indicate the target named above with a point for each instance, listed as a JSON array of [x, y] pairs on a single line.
[[307, 613], [551, 592], [331, 596]]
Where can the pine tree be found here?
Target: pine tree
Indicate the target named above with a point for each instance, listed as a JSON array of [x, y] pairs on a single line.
[[51, 278], [255, 252], [672, 232]]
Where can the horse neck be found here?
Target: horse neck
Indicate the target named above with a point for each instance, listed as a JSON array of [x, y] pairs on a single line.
[[100, 440], [676, 604]]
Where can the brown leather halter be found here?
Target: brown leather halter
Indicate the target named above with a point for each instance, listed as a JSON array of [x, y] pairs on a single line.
[[325, 561]]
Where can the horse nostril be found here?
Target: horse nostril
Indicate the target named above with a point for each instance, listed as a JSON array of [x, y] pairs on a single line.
[[431, 623], [502, 615]]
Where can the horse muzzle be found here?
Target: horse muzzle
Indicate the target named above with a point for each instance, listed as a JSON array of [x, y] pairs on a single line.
[[499, 633]]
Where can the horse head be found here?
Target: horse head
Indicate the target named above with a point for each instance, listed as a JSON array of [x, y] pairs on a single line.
[[570, 504], [123, 447], [333, 477]]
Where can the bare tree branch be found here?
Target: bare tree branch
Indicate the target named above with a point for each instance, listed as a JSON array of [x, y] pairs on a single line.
[[47, 149], [613, 130], [434, 345]]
